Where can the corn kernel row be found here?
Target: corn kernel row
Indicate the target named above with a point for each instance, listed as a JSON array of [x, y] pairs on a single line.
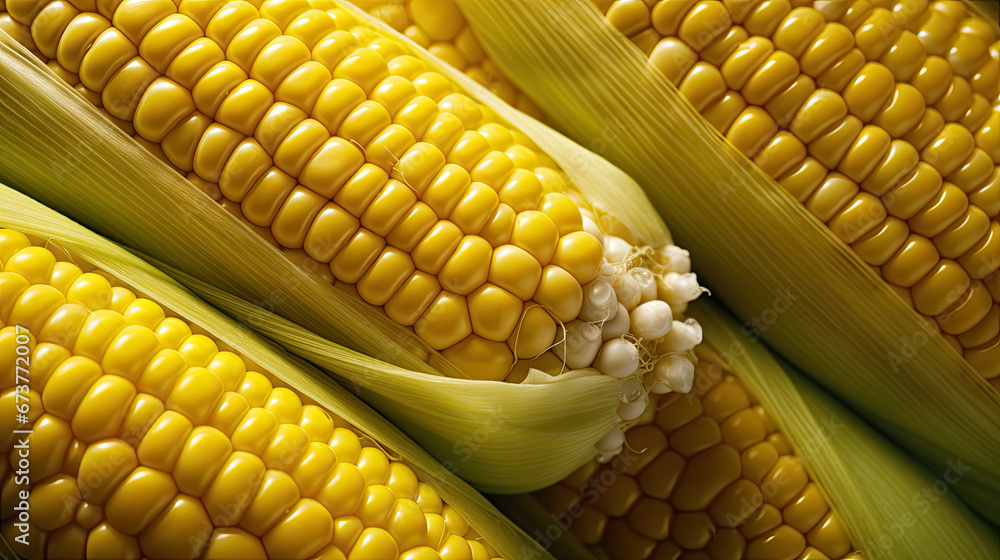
[[880, 117], [704, 475], [151, 441], [439, 27]]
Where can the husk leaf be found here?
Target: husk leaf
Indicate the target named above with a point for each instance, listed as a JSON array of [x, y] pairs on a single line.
[[29, 217], [754, 244]]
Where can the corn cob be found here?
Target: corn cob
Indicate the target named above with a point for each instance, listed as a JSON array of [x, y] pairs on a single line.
[[471, 235], [440, 28], [882, 118], [151, 439], [704, 475]]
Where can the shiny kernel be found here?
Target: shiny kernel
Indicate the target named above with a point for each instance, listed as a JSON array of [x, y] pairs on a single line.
[[102, 411], [343, 490], [468, 266], [363, 123], [763, 18], [437, 247], [945, 208], [969, 310], [522, 191], [388, 208], [312, 468], [674, 58], [168, 533], [130, 352], [277, 493], [372, 544], [475, 208], [68, 385], [950, 149], [962, 234], [798, 30], [446, 321], [894, 169], [830, 537], [724, 112], [306, 529], [865, 153], [139, 499], [703, 24], [35, 264], [296, 215], [357, 256], [723, 46], [940, 288], [629, 16], [832, 44], [103, 467], [703, 86], [859, 217], [820, 111], [933, 79], [304, 85], [249, 43], [479, 358], [559, 293], [515, 270], [412, 298], [364, 67], [534, 334], [901, 112], [878, 245], [234, 543], [535, 233], [914, 192], [777, 73], [104, 541], [838, 76], [911, 262]]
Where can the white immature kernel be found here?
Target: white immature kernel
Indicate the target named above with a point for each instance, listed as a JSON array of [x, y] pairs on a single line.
[[617, 325], [618, 358], [673, 372], [651, 320]]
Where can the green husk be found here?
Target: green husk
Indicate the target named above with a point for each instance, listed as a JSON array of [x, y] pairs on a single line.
[[30, 217], [753, 243], [78, 163]]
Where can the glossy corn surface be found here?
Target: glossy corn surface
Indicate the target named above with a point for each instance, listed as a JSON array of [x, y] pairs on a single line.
[[703, 475], [881, 117], [352, 158], [150, 439], [440, 27]]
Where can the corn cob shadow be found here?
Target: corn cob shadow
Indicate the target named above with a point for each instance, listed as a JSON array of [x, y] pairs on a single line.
[[912, 398]]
